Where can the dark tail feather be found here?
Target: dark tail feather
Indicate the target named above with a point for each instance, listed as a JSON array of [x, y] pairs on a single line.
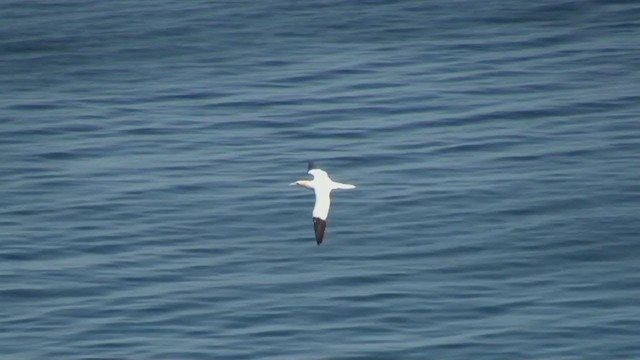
[[319, 226]]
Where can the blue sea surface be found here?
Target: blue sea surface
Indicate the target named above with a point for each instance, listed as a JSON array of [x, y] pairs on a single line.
[[146, 149]]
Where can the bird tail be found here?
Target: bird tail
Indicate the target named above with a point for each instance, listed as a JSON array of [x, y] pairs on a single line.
[[343, 186]]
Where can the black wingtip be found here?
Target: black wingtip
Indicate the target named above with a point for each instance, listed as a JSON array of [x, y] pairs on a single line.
[[319, 226], [311, 165]]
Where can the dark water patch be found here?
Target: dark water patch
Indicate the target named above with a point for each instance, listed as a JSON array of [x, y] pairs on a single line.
[[41, 295]]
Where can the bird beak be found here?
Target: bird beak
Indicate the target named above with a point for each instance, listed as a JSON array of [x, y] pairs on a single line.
[[293, 183]]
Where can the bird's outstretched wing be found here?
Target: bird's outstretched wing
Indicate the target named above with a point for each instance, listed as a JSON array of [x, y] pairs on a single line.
[[319, 226]]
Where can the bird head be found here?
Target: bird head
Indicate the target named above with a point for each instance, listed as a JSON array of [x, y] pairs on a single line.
[[305, 183]]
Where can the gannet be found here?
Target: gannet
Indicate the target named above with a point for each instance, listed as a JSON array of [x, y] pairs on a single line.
[[322, 186]]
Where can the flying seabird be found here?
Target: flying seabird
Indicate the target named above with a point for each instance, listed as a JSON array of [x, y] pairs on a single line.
[[322, 186]]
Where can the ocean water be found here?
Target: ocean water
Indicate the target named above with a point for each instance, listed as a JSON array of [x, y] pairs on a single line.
[[146, 149]]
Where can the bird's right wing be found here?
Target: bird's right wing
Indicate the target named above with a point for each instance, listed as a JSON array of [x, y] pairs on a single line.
[[323, 203]]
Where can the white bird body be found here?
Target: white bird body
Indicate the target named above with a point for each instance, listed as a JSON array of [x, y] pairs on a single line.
[[322, 185]]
